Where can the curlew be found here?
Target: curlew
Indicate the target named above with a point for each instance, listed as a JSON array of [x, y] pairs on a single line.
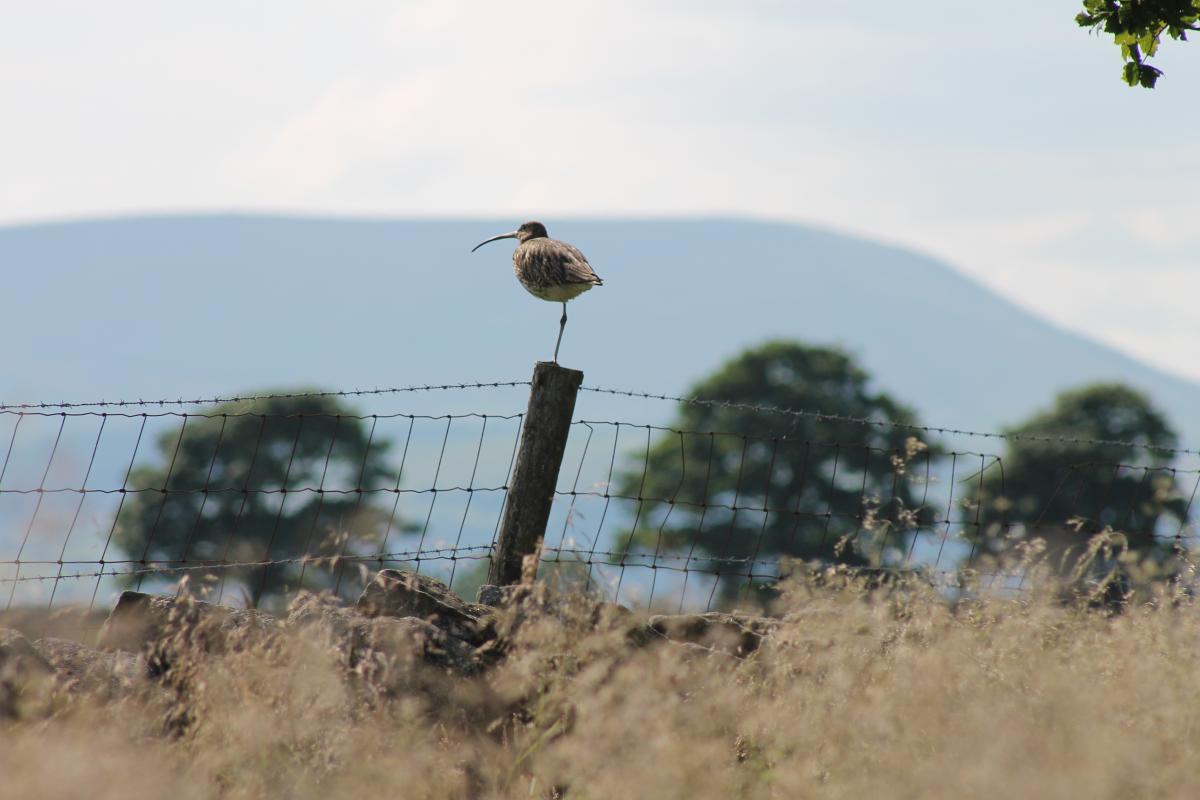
[[549, 269]]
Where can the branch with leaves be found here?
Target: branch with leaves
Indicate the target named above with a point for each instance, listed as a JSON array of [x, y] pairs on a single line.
[[1137, 27]]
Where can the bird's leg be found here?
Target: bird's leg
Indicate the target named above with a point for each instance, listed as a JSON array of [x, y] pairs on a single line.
[[562, 324]]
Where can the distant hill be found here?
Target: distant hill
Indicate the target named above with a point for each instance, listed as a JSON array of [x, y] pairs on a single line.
[[205, 304]]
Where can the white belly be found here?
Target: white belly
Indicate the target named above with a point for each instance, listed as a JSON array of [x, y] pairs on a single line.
[[560, 293]]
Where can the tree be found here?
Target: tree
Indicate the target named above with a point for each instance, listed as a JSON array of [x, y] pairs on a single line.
[[278, 481], [1091, 463], [1137, 27], [731, 484]]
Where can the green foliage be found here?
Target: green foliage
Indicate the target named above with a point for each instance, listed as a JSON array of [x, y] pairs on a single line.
[[1137, 27], [1067, 492], [809, 474], [273, 482]]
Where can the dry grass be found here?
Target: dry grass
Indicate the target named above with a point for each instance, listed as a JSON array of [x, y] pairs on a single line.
[[856, 694]]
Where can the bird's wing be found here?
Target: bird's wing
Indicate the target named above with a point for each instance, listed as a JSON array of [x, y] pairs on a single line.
[[576, 268]]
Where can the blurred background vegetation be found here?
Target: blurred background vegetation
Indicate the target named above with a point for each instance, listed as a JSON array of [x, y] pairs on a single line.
[[736, 489]]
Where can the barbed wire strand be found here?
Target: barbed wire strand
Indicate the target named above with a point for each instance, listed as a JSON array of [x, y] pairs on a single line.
[[253, 398], [698, 401], [880, 423]]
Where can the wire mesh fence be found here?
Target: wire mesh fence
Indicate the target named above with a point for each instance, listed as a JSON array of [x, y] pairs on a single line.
[[257, 497], [706, 518]]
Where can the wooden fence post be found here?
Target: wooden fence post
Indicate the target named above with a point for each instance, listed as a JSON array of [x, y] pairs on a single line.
[[539, 456]]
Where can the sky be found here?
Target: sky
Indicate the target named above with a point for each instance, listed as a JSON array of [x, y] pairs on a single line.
[[1003, 143]]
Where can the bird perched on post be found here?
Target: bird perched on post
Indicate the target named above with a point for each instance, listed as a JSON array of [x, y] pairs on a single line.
[[549, 269]]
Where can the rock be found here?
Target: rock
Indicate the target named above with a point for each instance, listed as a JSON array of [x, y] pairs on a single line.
[[26, 679], [497, 596], [15, 650], [533, 599], [391, 640], [398, 593], [77, 666], [140, 619], [689, 651], [539, 597], [409, 640], [320, 610], [737, 634]]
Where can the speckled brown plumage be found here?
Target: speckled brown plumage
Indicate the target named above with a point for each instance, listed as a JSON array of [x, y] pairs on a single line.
[[549, 269]]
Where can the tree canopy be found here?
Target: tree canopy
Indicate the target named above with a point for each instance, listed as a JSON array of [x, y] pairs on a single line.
[[278, 481], [1137, 27], [729, 485], [1090, 463]]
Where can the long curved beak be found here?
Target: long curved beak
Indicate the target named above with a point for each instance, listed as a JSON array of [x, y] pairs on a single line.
[[512, 235]]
